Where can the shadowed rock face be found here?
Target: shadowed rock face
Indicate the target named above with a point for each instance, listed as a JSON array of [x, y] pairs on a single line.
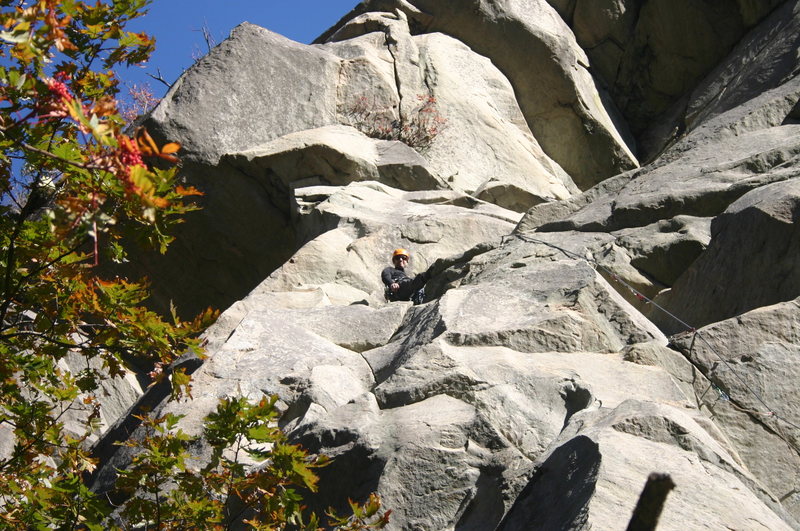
[[535, 387], [652, 53], [558, 495]]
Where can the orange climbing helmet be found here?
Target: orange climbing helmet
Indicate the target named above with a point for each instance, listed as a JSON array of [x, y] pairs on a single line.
[[399, 252]]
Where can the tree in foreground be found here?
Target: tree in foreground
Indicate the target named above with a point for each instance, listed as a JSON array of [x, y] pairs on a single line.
[[74, 187]]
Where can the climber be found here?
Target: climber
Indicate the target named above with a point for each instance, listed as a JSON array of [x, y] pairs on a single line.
[[399, 287]]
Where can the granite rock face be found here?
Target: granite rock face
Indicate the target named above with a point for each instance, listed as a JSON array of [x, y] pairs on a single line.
[[380, 75], [296, 136], [569, 114], [652, 53], [751, 260], [356, 225], [703, 181], [754, 357], [603, 456], [570, 342], [485, 145], [754, 87], [211, 119]]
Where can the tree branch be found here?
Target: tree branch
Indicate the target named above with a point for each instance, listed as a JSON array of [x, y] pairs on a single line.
[[40, 335], [160, 78], [46, 153]]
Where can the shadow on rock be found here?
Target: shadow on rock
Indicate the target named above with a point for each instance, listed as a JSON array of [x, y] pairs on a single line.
[[558, 494]]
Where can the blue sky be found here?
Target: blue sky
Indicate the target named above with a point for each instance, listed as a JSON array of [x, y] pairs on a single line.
[[177, 25]]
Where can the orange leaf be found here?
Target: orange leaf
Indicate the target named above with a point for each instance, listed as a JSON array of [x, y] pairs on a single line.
[[146, 143], [172, 147], [188, 191], [159, 202]]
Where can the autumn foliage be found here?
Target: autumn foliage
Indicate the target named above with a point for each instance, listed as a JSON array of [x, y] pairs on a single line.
[[75, 186]]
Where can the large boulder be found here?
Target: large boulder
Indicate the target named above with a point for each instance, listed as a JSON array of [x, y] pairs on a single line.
[[665, 249], [703, 182], [755, 359], [336, 155], [472, 132], [245, 93], [570, 115], [750, 262]]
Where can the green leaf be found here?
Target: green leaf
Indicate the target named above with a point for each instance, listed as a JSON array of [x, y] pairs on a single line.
[[260, 433]]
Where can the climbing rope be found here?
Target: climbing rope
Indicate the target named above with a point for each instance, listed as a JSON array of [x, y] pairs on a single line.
[[770, 412]]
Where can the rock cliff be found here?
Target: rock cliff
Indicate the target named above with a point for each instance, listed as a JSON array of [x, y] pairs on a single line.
[[606, 196]]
